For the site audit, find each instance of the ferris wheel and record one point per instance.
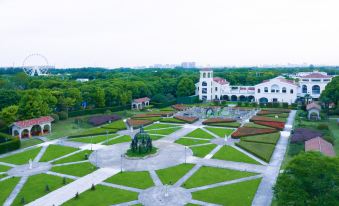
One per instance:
(35, 65)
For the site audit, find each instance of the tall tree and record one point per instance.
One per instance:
(33, 105)
(9, 114)
(185, 87)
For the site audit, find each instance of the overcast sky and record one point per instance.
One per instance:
(114, 33)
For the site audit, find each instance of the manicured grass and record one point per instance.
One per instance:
(261, 150)
(129, 153)
(199, 133)
(191, 204)
(94, 139)
(102, 195)
(189, 141)
(172, 120)
(171, 175)
(211, 175)
(96, 131)
(80, 156)
(230, 154)
(281, 115)
(141, 180)
(202, 151)
(221, 132)
(6, 188)
(226, 124)
(241, 193)
(30, 142)
(264, 138)
(125, 138)
(253, 125)
(55, 151)
(35, 187)
(118, 125)
(22, 157)
(155, 137)
(4, 168)
(159, 126)
(3, 175)
(164, 131)
(79, 170)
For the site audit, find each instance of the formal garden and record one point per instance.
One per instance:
(213, 160)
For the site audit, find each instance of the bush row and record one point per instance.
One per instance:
(97, 111)
(10, 145)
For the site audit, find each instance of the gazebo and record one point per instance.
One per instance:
(32, 127)
(140, 103)
(313, 110)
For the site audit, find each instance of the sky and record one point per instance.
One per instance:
(128, 33)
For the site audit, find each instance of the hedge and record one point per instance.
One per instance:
(11, 145)
(97, 111)
(86, 133)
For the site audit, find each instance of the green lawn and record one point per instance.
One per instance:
(80, 156)
(3, 175)
(79, 170)
(93, 139)
(36, 185)
(159, 126)
(241, 193)
(226, 124)
(253, 125)
(164, 131)
(6, 188)
(199, 133)
(155, 137)
(263, 138)
(141, 180)
(171, 175)
(102, 195)
(334, 128)
(55, 151)
(96, 131)
(189, 141)
(125, 138)
(230, 154)
(202, 151)
(211, 175)
(22, 157)
(221, 132)
(261, 150)
(30, 142)
(172, 120)
(4, 168)
(118, 125)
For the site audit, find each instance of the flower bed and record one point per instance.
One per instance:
(187, 119)
(246, 131)
(265, 119)
(136, 123)
(172, 120)
(277, 111)
(276, 125)
(99, 120)
(179, 107)
(304, 134)
(226, 124)
(218, 120)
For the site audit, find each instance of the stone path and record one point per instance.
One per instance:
(15, 191)
(121, 187)
(41, 153)
(209, 132)
(155, 178)
(62, 175)
(62, 157)
(67, 192)
(215, 150)
(70, 163)
(135, 202)
(249, 154)
(180, 133)
(187, 175)
(198, 202)
(264, 193)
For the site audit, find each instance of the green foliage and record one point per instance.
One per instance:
(171, 175)
(63, 115)
(261, 150)
(309, 179)
(141, 180)
(185, 87)
(9, 114)
(22, 157)
(202, 151)
(228, 153)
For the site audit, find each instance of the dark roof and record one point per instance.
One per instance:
(321, 145)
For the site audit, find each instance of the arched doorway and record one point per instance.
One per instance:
(16, 133)
(225, 97)
(242, 98)
(25, 133)
(250, 98)
(263, 100)
(47, 129)
(234, 98)
(316, 89)
(36, 130)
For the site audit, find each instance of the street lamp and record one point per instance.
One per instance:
(185, 153)
(106, 136)
(91, 142)
(121, 163)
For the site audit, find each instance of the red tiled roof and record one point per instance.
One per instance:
(220, 80)
(32, 122)
(141, 100)
(313, 105)
(287, 81)
(316, 75)
(321, 145)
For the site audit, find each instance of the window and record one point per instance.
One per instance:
(304, 89)
(315, 80)
(204, 84)
(326, 80)
(275, 88)
(204, 97)
(316, 89)
(204, 90)
(204, 75)
(216, 96)
(291, 91)
(305, 80)
(258, 90)
(275, 100)
(209, 75)
(266, 89)
(216, 89)
(284, 90)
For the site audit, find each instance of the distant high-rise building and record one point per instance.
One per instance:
(188, 65)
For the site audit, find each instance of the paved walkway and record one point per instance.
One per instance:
(264, 193)
(155, 178)
(179, 133)
(249, 154)
(63, 194)
(187, 175)
(15, 191)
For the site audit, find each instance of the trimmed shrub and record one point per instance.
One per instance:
(322, 127)
(247, 131)
(63, 115)
(276, 125)
(55, 117)
(11, 145)
(187, 119)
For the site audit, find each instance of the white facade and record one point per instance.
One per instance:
(277, 89)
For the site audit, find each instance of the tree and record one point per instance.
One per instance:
(309, 179)
(9, 114)
(8, 97)
(33, 105)
(185, 87)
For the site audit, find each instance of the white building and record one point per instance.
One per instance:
(277, 89)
